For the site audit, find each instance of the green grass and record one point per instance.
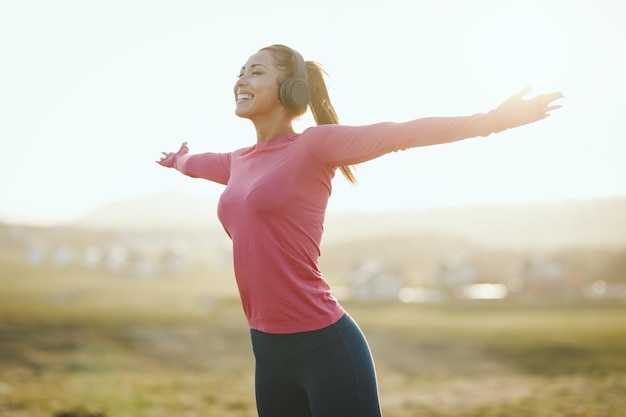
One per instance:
(83, 344)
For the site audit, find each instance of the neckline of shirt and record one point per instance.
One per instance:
(270, 143)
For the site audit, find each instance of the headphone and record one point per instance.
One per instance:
(294, 91)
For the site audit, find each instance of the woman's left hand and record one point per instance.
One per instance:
(517, 111)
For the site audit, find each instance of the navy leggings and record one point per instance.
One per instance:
(323, 373)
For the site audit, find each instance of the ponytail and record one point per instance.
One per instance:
(321, 107)
(319, 102)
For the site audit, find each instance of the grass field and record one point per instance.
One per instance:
(76, 343)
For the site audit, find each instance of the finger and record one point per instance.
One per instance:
(553, 96)
(523, 92)
(556, 106)
(544, 100)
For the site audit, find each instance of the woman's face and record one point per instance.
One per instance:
(256, 89)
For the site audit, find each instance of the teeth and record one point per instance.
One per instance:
(244, 96)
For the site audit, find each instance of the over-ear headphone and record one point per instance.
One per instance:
(294, 91)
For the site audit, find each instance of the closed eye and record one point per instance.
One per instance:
(255, 69)
(241, 74)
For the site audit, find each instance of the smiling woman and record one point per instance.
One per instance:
(311, 357)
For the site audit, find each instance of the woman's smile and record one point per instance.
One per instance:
(243, 97)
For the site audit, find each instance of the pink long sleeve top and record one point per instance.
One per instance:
(275, 200)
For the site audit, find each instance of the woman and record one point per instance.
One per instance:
(311, 358)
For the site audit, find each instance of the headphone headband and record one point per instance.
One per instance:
(300, 65)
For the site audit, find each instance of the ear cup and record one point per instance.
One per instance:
(294, 91)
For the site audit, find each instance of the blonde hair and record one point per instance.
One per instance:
(319, 101)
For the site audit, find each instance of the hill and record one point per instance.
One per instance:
(584, 223)
(162, 211)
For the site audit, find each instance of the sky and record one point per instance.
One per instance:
(91, 92)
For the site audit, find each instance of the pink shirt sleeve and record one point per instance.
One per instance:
(337, 145)
(210, 166)
(347, 145)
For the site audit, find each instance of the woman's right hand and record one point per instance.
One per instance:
(168, 158)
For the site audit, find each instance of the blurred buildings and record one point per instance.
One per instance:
(447, 274)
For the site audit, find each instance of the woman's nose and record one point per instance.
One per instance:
(241, 81)
(243, 78)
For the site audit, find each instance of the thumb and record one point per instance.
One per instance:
(183, 149)
(523, 92)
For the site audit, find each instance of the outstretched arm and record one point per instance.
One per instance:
(211, 166)
(346, 145)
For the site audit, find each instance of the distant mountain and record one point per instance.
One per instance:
(161, 211)
(583, 223)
